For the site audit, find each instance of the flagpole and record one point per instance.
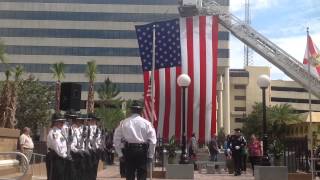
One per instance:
(310, 107)
(152, 82)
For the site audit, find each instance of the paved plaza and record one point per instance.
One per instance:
(112, 172)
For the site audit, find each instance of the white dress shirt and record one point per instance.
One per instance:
(135, 129)
(57, 142)
(26, 141)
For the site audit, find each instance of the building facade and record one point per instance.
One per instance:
(244, 92)
(39, 33)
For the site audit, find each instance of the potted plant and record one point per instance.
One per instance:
(171, 149)
(277, 151)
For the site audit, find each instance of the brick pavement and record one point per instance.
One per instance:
(112, 173)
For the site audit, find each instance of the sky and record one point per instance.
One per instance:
(284, 22)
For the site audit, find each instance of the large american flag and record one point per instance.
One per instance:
(186, 45)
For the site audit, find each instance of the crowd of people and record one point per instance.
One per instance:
(236, 149)
(76, 143)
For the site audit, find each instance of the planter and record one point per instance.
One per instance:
(8, 141)
(299, 176)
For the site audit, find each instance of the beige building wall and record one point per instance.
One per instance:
(244, 92)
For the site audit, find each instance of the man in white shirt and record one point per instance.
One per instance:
(139, 139)
(26, 145)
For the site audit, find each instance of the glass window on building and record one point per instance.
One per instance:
(239, 86)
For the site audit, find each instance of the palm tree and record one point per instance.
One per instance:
(91, 75)
(107, 93)
(58, 73)
(281, 116)
(18, 71)
(5, 99)
(110, 106)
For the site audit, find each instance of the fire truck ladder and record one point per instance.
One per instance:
(270, 51)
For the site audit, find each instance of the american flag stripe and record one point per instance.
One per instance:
(178, 107)
(156, 95)
(173, 83)
(203, 75)
(199, 42)
(190, 71)
(167, 102)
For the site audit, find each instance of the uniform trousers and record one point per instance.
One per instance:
(77, 166)
(237, 159)
(136, 161)
(95, 162)
(123, 166)
(55, 166)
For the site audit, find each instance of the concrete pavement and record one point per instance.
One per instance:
(112, 172)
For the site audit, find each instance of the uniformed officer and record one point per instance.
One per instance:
(139, 139)
(95, 142)
(237, 144)
(57, 150)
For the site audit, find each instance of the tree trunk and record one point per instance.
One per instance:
(58, 92)
(90, 102)
(11, 122)
(5, 102)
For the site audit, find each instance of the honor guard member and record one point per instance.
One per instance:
(82, 154)
(237, 144)
(57, 150)
(94, 144)
(140, 140)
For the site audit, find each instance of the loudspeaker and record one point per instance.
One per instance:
(70, 97)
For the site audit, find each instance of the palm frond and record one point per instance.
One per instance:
(91, 70)
(2, 53)
(58, 70)
(8, 73)
(18, 72)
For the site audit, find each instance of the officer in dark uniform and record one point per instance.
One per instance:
(139, 139)
(237, 144)
(57, 150)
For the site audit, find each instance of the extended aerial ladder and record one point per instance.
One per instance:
(270, 51)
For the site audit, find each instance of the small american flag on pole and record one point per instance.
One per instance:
(148, 100)
(190, 46)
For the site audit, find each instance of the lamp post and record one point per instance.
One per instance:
(184, 81)
(264, 82)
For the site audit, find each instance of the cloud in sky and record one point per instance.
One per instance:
(284, 22)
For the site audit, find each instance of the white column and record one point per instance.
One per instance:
(226, 101)
(219, 101)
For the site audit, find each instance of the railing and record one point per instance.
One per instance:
(296, 154)
(38, 165)
(24, 158)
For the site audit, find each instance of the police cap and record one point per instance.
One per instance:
(57, 117)
(92, 116)
(82, 117)
(71, 115)
(237, 130)
(137, 105)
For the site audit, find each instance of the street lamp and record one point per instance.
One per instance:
(184, 81)
(264, 82)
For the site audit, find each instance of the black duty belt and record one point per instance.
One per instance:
(136, 145)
